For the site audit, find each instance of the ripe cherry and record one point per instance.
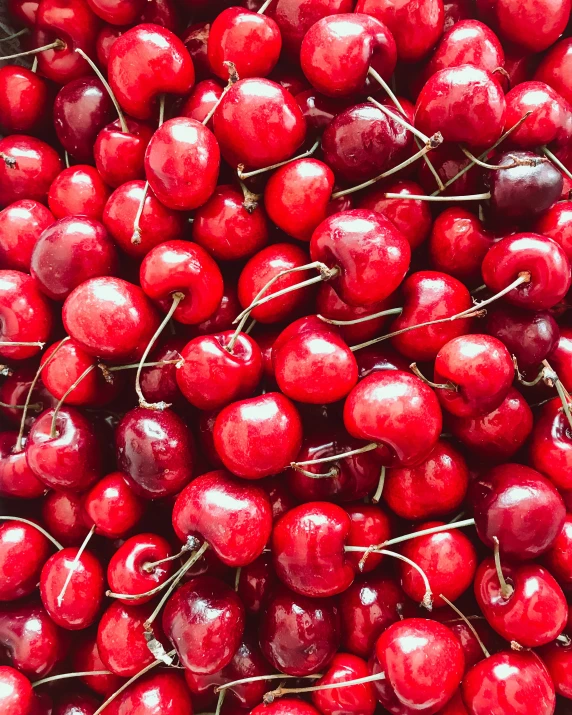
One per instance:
(78, 190)
(113, 507)
(285, 706)
(556, 223)
(21, 224)
(549, 18)
(63, 516)
(125, 12)
(551, 445)
(162, 693)
(119, 154)
(86, 658)
(16, 477)
(23, 100)
(352, 699)
(202, 101)
(23, 552)
(27, 169)
(16, 694)
(468, 42)
(554, 68)
(557, 558)
(548, 114)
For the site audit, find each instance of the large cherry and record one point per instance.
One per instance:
(548, 17)
(162, 693)
(548, 109)
(23, 551)
(21, 224)
(27, 169)
(554, 68)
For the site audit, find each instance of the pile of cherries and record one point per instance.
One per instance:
(286, 345)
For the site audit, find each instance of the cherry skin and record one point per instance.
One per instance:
(353, 699)
(78, 190)
(159, 383)
(128, 571)
(195, 39)
(157, 223)
(548, 17)
(29, 176)
(78, 703)
(481, 369)
(23, 99)
(299, 635)
(509, 681)
(87, 659)
(204, 610)
(69, 252)
(258, 123)
(551, 446)
(14, 391)
(202, 100)
(549, 112)
(250, 40)
(16, 477)
(110, 317)
(369, 525)
(160, 693)
(285, 706)
(245, 433)
(432, 488)
(105, 38)
(535, 612)
(228, 230)
(146, 61)
(375, 410)
(363, 245)
(423, 664)
(560, 357)
(79, 607)
(556, 223)
(23, 12)
(556, 658)
(541, 257)
(125, 12)
(554, 68)
(16, 694)
(214, 506)
(557, 558)
(63, 516)
(448, 160)
(23, 551)
(465, 103)
(113, 507)
(182, 163)
(119, 156)
(154, 450)
(318, 110)
(256, 582)
(21, 224)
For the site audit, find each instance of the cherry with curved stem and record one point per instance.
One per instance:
(146, 594)
(56, 45)
(232, 79)
(280, 691)
(66, 676)
(53, 429)
(468, 624)
(435, 385)
(105, 83)
(334, 457)
(364, 319)
(505, 588)
(71, 571)
(55, 542)
(246, 175)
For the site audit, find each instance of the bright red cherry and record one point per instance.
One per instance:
(555, 68)
(27, 169)
(556, 223)
(548, 17)
(124, 12)
(551, 446)
(23, 99)
(23, 552)
(468, 42)
(557, 558)
(26, 315)
(352, 699)
(161, 693)
(201, 101)
(285, 706)
(78, 190)
(86, 659)
(549, 112)
(16, 694)
(16, 477)
(21, 224)
(63, 516)
(119, 155)
(113, 507)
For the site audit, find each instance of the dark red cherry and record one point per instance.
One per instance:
(448, 160)
(557, 659)
(432, 488)
(256, 582)
(23, 12)
(161, 693)
(154, 450)
(16, 694)
(105, 39)
(352, 699)
(551, 445)
(14, 391)
(21, 224)
(145, 62)
(561, 356)
(119, 155)
(63, 516)
(299, 635)
(555, 68)
(204, 611)
(113, 507)
(319, 110)
(23, 552)
(162, 12)
(78, 190)
(24, 99)
(222, 319)
(388, 407)
(28, 169)
(196, 38)
(379, 357)
(74, 703)
(16, 477)
(124, 12)
(159, 382)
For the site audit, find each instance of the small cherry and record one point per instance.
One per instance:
(78, 190)
(27, 168)
(21, 224)
(159, 381)
(63, 516)
(24, 100)
(255, 583)
(113, 507)
(23, 552)
(119, 152)
(162, 693)
(16, 694)
(369, 525)
(87, 659)
(125, 12)
(556, 658)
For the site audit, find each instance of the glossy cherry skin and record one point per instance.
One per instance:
(63, 516)
(112, 506)
(157, 224)
(353, 699)
(148, 60)
(182, 163)
(105, 38)
(16, 477)
(465, 103)
(364, 245)
(23, 551)
(480, 367)
(119, 156)
(432, 488)
(556, 658)
(125, 322)
(378, 358)
(195, 39)
(124, 12)
(74, 703)
(87, 659)
(556, 223)
(228, 231)
(36, 166)
(423, 664)
(285, 706)
(375, 411)
(554, 68)
(509, 681)
(202, 100)
(83, 597)
(234, 517)
(160, 693)
(78, 190)
(16, 694)
(258, 123)
(180, 266)
(21, 224)
(405, 20)
(561, 356)
(69, 252)
(369, 524)
(204, 610)
(23, 99)
(548, 17)
(541, 257)
(299, 635)
(557, 558)
(549, 114)
(533, 615)
(551, 446)
(77, 26)
(499, 434)
(154, 450)
(159, 383)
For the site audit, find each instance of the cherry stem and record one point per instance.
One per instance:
(85, 373)
(18, 445)
(36, 407)
(506, 589)
(55, 542)
(468, 623)
(250, 327)
(563, 639)
(34, 67)
(57, 45)
(431, 168)
(67, 159)
(133, 365)
(400, 120)
(8, 160)
(8, 343)
(279, 692)
(264, 6)
(232, 79)
(73, 566)
(177, 298)
(15, 35)
(237, 578)
(552, 380)
(191, 544)
(242, 175)
(251, 199)
(105, 83)
(435, 385)
(528, 383)
(258, 678)
(65, 676)
(137, 596)
(332, 472)
(334, 457)
(136, 236)
(426, 532)
(556, 161)
(220, 701)
(381, 483)
(423, 197)
(379, 79)
(364, 319)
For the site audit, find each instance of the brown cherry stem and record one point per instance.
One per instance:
(15, 35)
(105, 83)
(364, 319)
(435, 385)
(246, 175)
(56, 45)
(556, 161)
(232, 79)
(506, 589)
(177, 298)
(269, 697)
(332, 472)
(55, 542)
(381, 483)
(191, 544)
(467, 623)
(85, 373)
(334, 457)
(65, 676)
(73, 566)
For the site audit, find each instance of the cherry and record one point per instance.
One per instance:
(319, 110)
(554, 68)
(466, 104)
(113, 507)
(551, 447)
(285, 706)
(162, 12)
(182, 163)
(204, 610)
(541, 257)
(156, 694)
(423, 664)
(16, 694)
(27, 169)
(23, 99)
(110, 317)
(125, 12)
(377, 358)
(251, 41)
(21, 224)
(154, 450)
(119, 154)
(549, 113)
(556, 223)
(67, 458)
(298, 635)
(23, 551)
(159, 382)
(258, 123)
(14, 391)
(557, 558)
(369, 525)
(556, 658)
(548, 17)
(86, 659)
(375, 410)
(295, 17)
(23, 12)
(78, 190)
(16, 477)
(449, 161)
(432, 488)
(105, 38)
(353, 699)
(222, 319)
(509, 681)
(78, 703)
(64, 517)
(157, 223)
(202, 101)
(363, 245)
(146, 61)
(560, 356)
(196, 38)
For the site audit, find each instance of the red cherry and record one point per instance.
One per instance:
(64, 517)
(551, 446)
(201, 101)
(113, 507)
(124, 12)
(86, 659)
(16, 477)
(23, 552)
(23, 12)
(23, 99)
(285, 706)
(556, 223)
(21, 224)
(16, 694)
(74, 704)
(369, 525)
(556, 658)
(548, 17)
(468, 42)
(554, 68)
(105, 39)
(353, 699)
(119, 155)
(78, 190)
(27, 169)
(156, 694)
(549, 114)
(557, 558)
